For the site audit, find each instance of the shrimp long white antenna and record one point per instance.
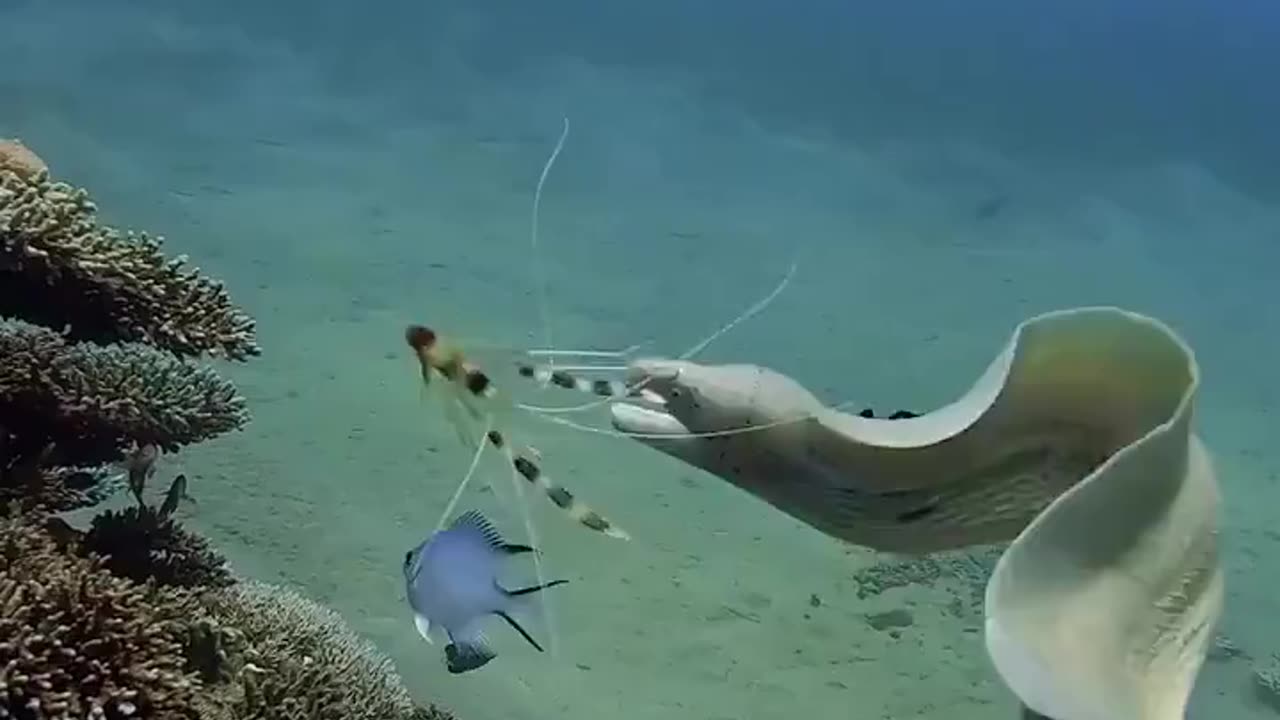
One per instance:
(531, 531)
(548, 352)
(466, 479)
(577, 353)
(755, 309)
(750, 312)
(727, 432)
(539, 277)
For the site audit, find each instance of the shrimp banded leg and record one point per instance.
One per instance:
(526, 464)
(475, 392)
(573, 378)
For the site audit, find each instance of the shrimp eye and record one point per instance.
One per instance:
(419, 337)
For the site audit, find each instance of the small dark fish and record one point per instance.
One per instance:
(990, 208)
(177, 492)
(63, 534)
(452, 583)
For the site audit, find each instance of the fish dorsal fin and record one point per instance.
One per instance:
(476, 521)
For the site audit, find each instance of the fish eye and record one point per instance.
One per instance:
(408, 557)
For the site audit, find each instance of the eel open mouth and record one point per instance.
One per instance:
(647, 411)
(640, 420)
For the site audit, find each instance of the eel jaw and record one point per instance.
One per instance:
(635, 419)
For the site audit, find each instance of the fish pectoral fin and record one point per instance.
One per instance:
(467, 654)
(424, 627)
(523, 633)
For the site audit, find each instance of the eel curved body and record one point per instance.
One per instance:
(1075, 445)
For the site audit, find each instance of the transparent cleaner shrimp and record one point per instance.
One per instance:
(474, 397)
(545, 371)
(474, 391)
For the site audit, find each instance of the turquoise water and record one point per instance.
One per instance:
(937, 174)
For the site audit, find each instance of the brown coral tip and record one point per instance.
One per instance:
(20, 159)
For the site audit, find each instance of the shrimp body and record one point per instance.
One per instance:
(437, 356)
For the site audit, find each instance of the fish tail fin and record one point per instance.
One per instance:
(468, 649)
(464, 655)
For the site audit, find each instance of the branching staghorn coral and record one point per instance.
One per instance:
(78, 642)
(297, 660)
(60, 268)
(100, 368)
(93, 402)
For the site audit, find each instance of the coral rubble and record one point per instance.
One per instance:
(1266, 683)
(964, 574)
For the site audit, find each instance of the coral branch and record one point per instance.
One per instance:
(143, 545)
(60, 268)
(300, 661)
(77, 642)
(94, 402)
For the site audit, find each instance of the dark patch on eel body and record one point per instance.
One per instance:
(870, 414)
(919, 513)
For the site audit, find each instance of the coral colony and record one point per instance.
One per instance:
(135, 616)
